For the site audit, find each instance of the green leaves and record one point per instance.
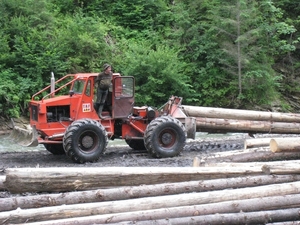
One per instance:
(211, 52)
(158, 72)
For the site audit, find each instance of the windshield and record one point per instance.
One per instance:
(78, 86)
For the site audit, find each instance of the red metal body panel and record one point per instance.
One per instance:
(53, 113)
(134, 129)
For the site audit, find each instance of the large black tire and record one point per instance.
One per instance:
(165, 137)
(55, 149)
(136, 144)
(85, 140)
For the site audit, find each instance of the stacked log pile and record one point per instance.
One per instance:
(227, 120)
(210, 192)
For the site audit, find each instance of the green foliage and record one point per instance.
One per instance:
(260, 87)
(211, 52)
(10, 97)
(158, 72)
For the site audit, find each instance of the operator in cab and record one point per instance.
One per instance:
(103, 82)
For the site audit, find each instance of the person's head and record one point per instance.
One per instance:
(106, 67)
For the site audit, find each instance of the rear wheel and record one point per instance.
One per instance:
(85, 140)
(136, 144)
(165, 137)
(55, 149)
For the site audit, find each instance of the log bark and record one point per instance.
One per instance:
(2, 180)
(229, 125)
(279, 169)
(285, 144)
(223, 113)
(70, 179)
(256, 142)
(78, 210)
(249, 155)
(285, 163)
(285, 223)
(123, 193)
(236, 206)
(238, 218)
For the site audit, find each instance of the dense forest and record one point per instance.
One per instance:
(233, 53)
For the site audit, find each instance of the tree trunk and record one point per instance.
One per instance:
(70, 179)
(236, 206)
(229, 125)
(78, 210)
(285, 163)
(237, 114)
(285, 144)
(237, 218)
(25, 202)
(249, 155)
(256, 142)
(281, 169)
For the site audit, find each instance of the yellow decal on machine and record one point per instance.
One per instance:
(86, 107)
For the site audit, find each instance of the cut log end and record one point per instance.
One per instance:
(274, 146)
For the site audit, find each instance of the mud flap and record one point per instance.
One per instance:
(24, 137)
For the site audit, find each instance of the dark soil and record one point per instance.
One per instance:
(116, 156)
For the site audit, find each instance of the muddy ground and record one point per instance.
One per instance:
(124, 156)
(121, 155)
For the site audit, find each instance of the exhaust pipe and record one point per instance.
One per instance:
(52, 84)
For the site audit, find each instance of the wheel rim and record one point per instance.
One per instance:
(167, 138)
(88, 141)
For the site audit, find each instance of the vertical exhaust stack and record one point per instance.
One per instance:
(52, 84)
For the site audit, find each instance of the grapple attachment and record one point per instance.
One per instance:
(24, 137)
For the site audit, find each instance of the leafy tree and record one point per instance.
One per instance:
(158, 72)
(212, 52)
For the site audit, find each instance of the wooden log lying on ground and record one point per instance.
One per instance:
(87, 209)
(70, 179)
(285, 163)
(294, 222)
(237, 218)
(281, 169)
(256, 142)
(285, 144)
(2, 180)
(249, 155)
(236, 206)
(267, 168)
(209, 112)
(227, 125)
(113, 194)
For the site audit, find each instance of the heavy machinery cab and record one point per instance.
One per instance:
(73, 98)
